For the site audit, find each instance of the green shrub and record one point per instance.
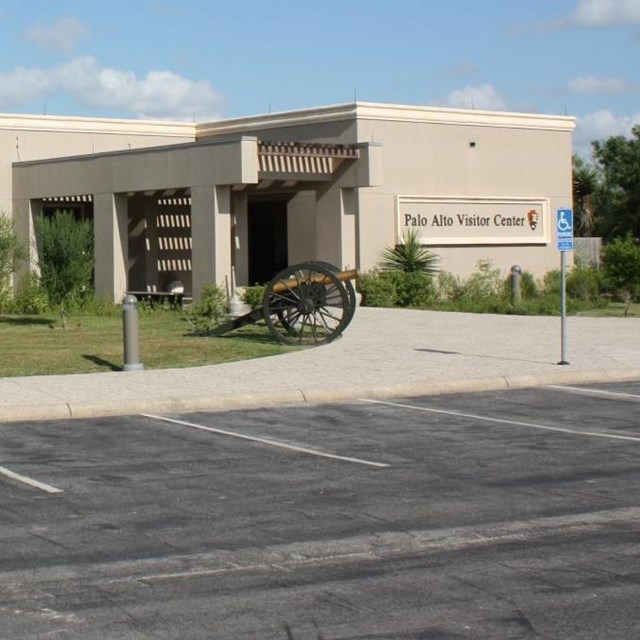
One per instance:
(538, 306)
(448, 287)
(66, 258)
(412, 288)
(210, 311)
(253, 296)
(6, 302)
(31, 298)
(584, 282)
(489, 304)
(552, 283)
(377, 289)
(484, 291)
(98, 305)
(621, 260)
(486, 282)
(396, 289)
(528, 286)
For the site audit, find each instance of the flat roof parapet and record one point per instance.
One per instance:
(389, 112)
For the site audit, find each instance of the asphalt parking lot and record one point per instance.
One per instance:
(510, 514)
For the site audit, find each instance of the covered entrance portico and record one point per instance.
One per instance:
(193, 212)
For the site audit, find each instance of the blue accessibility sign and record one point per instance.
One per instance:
(564, 229)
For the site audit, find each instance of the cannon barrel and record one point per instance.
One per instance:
(305, 304)
(292, 281)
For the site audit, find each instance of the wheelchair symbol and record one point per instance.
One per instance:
(564, 225)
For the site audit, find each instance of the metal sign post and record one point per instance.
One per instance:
(564, 230)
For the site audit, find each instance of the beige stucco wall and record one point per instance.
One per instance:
(513, 157)
(24, 138)
(422, 151)
(405, 151)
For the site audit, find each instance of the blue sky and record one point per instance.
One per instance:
(207, 59)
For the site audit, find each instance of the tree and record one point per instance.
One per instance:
(11, 252)
(585, 187)
(618, 199)
(65, 258)
(621, 260)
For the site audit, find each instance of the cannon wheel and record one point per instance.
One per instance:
(306, 304)
(351, 294)
(351, 291)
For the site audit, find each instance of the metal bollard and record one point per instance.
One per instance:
(516, 290)
(130, 333)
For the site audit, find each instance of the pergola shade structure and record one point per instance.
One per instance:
(177, 213)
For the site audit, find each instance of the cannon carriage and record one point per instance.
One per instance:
(306, 304)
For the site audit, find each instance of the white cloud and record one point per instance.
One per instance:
(600, 125)
(160, 94)
(60, 36)
(483, 96)
(20, 85)
(593, 85)
(604, 13)
(594, 13)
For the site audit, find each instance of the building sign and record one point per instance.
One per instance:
(451, 221)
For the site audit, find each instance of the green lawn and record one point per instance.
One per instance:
(89, 343)
(613, 309)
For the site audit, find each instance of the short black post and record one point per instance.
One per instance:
(516, 288)
(130, 333)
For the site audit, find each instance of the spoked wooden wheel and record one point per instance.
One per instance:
(306, 304)
(348, 285)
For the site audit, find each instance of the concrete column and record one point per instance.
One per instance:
(151, 249)
(111, 244)
(301, 227)
(376, 229)
(349, 245)
(137, 277)
(211, 236)
(25, 214)
(336, 227)
(240, 238)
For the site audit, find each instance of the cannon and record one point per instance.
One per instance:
(305, 304)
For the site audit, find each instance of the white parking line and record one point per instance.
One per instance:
(634, 397)
(267, 441)
(28, 481)
(530, 425)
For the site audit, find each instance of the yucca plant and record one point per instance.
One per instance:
(410, 256)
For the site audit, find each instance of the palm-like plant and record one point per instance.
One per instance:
(409, 256)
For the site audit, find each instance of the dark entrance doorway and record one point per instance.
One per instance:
(267, 227)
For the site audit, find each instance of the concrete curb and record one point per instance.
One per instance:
(278, 397)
